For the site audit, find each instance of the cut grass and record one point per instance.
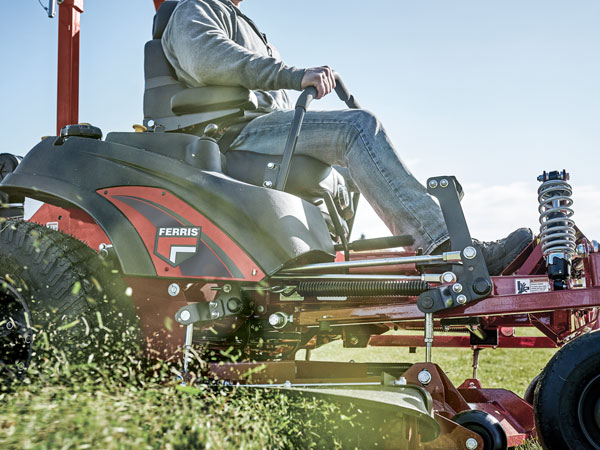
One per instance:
(122, 407)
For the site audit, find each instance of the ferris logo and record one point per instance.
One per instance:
(177, 245)
(184, 231)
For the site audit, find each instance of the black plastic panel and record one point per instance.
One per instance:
(274, 228)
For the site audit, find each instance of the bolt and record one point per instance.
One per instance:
(469, 252)
(214, 315)
(260, 308)
(227, 288)
(151, 123)
(268, 184)
(481, 286)
(424, 377)
(426, 302)
(433, 184)
(174, 290)
(234, 305)
(461, 299)
(213, 305)
(471, 444)
(211, 130)
(254, 272)
(271, 165)
(448, 277)
(457, 288)
(278, 320)
(353, 340)
(185, 315)
(444, 183)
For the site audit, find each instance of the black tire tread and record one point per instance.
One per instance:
(556, 392)
(48, 264)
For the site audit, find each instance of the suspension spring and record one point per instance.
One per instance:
(557, 229)
(361, 288)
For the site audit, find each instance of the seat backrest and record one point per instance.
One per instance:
(161, 83)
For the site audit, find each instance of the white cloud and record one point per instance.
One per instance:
(493, 211)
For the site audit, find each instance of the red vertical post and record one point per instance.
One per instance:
(67, 105)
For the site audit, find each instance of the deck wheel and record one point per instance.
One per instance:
(486, 426)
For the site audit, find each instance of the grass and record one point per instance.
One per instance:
(128, 406)
(511, 369)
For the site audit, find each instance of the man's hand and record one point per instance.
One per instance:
(321, 78)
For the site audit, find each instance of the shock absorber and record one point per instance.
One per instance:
(557, 229)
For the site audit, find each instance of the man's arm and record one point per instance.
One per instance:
(200, 37)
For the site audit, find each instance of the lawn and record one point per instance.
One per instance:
(126, 406)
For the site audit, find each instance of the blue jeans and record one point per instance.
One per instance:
(356, 139)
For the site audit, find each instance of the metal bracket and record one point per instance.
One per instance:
(271, 175)
(473, 277)
(228, 303)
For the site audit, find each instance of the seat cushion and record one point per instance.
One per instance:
(212, 98)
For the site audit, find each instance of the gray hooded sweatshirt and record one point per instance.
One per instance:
(210, 42)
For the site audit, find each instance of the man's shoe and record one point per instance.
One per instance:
(499, 254)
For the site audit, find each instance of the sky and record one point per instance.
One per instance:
(493, 92)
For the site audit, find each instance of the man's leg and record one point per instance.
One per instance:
(356, 139)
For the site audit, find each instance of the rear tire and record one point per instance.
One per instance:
(79, 311)
(567, 398)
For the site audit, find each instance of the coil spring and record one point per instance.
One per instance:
(361, 288)
(557, 229)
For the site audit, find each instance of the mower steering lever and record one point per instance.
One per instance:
(307, 96)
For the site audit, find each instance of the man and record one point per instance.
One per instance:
(211, 42)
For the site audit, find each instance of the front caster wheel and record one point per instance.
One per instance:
(486, 426)
(567, 398)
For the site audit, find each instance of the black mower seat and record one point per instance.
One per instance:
(170, 105)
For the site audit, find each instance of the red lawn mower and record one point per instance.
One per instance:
(164, 237)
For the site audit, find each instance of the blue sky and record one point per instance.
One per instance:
(493, 92)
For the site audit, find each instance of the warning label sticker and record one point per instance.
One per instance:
(531, 285)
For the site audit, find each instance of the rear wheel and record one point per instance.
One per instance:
(58, 297)
(567, 398)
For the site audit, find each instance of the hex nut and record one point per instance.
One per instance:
(424, 377)
(433, 184)
(173, 289)
(185, 315)
(461, 299)
(457, 287)
(260, 308)
(448, 277)
(470, 252)
(444, 183)
(471, 444)
(268, 184)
